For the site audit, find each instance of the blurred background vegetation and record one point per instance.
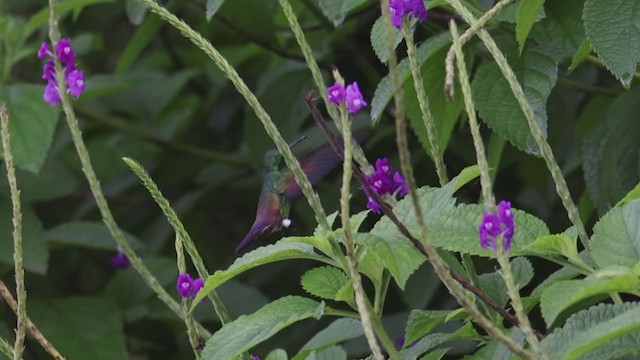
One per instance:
(151, 95)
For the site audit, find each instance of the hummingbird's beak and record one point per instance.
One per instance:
(296, 142)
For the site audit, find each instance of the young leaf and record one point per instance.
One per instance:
(581, 55)
(616, 237)
(498, 107)
(556, 244)
(337, 332)
(260, 256)
(525, 18)
(421, 322)
(631, 195)
(612, 27)
(247, 331)
(328, 282)
(605, 326)
(378, 39)
(562, 294)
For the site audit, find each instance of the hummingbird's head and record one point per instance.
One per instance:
(274, 160)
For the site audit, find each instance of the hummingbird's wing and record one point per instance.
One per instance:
(316, 164)
(268, 218)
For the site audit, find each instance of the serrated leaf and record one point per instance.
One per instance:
(537, 72)
(35, 250)
(247, 331)
(493, 283)
(581, 55)
(614, 30)
(560, 295)
(384, 91)
(328, 282)
(212, 7)
(610, 152)
(421, 322)
(616, 237)
(87, 234)
(338, 331)
(379, 41)
(336, 10)
(32, 122)
(525, 18)
(561, 32)
(260, 256)
(65, 322)
(602, 325)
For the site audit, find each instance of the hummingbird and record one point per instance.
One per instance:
(279, 188)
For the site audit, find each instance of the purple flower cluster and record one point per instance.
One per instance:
(352, 95)
(384, 181)
(494, 226)
(73, 77)
(398, 9)
(120, 260)
(188, 287)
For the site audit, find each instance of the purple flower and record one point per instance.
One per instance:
(354, 98)
(65, 53)
(255, 357)
(75, 81)
(51, 94)
(373, 205)
(400, 185)
(188, 287)
(493, 227)
(44, 50)
(381, 183)
(398, 9)
(336, 93)
(382, 165)
(119, 260)
(384, 181)
(49, 71)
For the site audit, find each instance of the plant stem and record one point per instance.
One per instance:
(381, 293)
(423, 101)
(556, 173)
(188, 320)
(21, 327)
(35, 332)
(94, 184)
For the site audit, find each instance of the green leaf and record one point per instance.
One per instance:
(604, 331)
(336, 10)
(493, 283)
(379, 41)
(384, 91)
(338, 331)
(247, 331)
(39, 187)
(260, 256)
(34, 247)
(556, 244)
(525, 18)
(436, 354)
(421, 322)
(564, 273)
(612, 26)
(561, 32)
(616, 237)
(328, 282)
(81, 327)
(537, 73)
(495, 350)
(87, 234)
(610, 167)
(425, 344)
(332, 353)
(631, 195)
(581, 55)
(135, 11)
(277, 354)
(560, 295)
(212, 7)
(32, 122)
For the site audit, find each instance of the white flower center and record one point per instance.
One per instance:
(377, 183)
(488, 225)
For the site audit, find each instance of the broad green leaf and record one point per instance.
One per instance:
(493, 283)
(562, 294)
(384, 91)
(556, 244)
(445, 112)
(260, 256)
(328, 282)
(34, 247)
(87, 234)
(525, 18)
(81, 327)
(631, 195)
(537, 73)
(561, 32)
(610, 151)
(319, 242)
(42, 16)
(212, 7)
(379, 41)
(604, 331)
(336, 10)
(247, 331)
(39, 187)
(467, 175)
(614, 30)
(616, 237)
(337, 332)
(564, 273)
(421, 322)
(32, 122)
(581, 55)
(277, 354)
